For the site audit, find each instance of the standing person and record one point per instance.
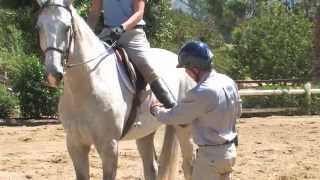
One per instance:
(123, 22)
(212, 108)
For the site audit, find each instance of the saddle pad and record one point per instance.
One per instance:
(124, 77)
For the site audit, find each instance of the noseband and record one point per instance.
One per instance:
(65, 53)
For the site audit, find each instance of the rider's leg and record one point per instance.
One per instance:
(137, 46)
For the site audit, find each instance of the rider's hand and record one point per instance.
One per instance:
(116, 32)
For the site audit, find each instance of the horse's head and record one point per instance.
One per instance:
(55, 28)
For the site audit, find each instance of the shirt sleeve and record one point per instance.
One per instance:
(187, 110)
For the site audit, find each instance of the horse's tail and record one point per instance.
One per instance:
(168, 162)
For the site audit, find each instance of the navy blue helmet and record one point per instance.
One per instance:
(195, 54)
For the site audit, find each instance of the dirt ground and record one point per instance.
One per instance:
(278, 147)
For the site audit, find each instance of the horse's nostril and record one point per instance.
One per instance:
(59, 76)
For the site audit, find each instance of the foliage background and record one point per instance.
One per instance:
(275, 45)
(20, 63)
(251, 39)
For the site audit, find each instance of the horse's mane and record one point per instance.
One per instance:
(83, 33)
(81, 26)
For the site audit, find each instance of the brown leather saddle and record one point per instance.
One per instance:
(135, 77)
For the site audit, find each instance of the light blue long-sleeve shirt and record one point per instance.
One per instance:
(212, 107)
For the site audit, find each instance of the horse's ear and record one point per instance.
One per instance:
(41, 2)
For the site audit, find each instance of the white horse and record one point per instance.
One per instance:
(97, 97)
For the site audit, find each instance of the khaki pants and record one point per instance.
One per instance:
(214, 162)
(137, 46)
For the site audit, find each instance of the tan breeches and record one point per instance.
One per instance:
(214, 163)
(137, 47)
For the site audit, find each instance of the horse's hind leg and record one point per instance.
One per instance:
(79, 155)
(186, 146)
(168, 162)
(147, 152)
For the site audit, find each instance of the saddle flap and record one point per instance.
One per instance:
(128, 66)
(129, 74)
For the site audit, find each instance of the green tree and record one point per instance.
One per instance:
(188, 27)
(15, 4)
(169, 29)
(160, 26)
(316, 45)
(275, 44)
(226, 15)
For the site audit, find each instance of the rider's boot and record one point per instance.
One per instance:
(163, 94)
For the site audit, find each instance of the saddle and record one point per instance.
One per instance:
(137, 82)
(135, 77)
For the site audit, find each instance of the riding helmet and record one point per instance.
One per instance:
(195, 54)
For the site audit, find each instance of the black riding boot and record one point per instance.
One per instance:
(163, 94)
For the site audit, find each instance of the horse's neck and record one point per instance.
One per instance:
(86, 44)
(98, 77)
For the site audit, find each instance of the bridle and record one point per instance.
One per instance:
(72, 35)
(65, 53)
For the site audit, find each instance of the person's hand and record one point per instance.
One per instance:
(116, 32)
(154, 106)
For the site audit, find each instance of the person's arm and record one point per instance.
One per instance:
(94, 13)
(188, 109)
(138, 8)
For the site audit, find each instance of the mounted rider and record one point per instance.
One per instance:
(123, 22)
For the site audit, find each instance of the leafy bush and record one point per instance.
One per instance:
(36, 100)
(315, 104)
(8, 102)
(222, 60)
(82, 6)
(276, 44)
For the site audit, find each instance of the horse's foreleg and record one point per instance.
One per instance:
(108, 152)
(79, 155)
(186, 145)
(147, 152)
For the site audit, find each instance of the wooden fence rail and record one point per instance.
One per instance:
(307, 91)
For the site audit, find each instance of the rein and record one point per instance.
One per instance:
(66, 53)
(69, 66)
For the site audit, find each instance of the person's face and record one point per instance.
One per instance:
(193, 73)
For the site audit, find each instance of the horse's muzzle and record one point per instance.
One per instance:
(54, 80)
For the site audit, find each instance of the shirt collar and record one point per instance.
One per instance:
(206, 75)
